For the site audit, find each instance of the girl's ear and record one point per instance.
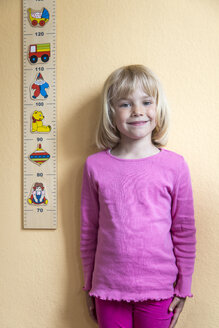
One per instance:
(156, 116)
(112, 113)
(156, 127)
(114, 121)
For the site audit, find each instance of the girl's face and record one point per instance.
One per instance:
(134, 108)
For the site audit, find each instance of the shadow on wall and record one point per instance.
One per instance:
(78, 142)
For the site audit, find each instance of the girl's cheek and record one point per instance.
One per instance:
(122, 116)
(151, 113)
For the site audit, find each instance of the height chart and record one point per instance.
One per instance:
(39, 115)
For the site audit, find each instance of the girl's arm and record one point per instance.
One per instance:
(89, 225)
(183, 231)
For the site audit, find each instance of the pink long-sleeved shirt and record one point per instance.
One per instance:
(138, 235)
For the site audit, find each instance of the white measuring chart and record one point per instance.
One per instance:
(39, 115)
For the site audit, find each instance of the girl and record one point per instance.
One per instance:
(138, 234)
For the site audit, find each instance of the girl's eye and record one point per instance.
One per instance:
(127, 104)
(124, 105)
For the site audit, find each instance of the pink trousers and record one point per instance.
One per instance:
(141, 314)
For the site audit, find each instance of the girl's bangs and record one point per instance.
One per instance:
(126, 85)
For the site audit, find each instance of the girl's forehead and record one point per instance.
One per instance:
(128, 88)
(137, 92)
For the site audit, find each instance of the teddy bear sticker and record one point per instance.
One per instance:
(37, 123)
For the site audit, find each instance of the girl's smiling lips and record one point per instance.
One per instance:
(138, 122)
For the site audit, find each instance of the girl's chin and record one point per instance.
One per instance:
(136, 135)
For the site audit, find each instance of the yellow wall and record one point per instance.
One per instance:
(40, 270)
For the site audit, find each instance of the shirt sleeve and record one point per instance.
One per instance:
(183, 231)
(89, 225)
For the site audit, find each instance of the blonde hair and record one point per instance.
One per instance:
(121, 83)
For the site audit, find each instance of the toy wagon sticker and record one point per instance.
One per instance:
(38, 17)
(41, 50)
(37, 123)
(38, 88)
(39, 156)
(37, 195)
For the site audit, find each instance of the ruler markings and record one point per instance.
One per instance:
(31, 71)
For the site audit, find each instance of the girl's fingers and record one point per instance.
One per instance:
(93, 315)
(174, 321)
(92, 310)
(91, 307)
(175, 318)
(174, 302)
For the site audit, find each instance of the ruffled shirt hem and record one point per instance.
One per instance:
(103, 296)
(183, 295)
(115, 297)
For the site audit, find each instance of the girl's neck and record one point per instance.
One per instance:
(128, 151)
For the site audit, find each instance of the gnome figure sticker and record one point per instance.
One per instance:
(37, 196)
(38, 88)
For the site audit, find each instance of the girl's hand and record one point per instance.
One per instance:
(177, 307)
(91, 306)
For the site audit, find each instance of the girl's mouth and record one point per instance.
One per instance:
(138, 123)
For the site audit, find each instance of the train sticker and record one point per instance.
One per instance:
(39, 51)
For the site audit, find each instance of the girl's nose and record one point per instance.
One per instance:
(137, 110)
